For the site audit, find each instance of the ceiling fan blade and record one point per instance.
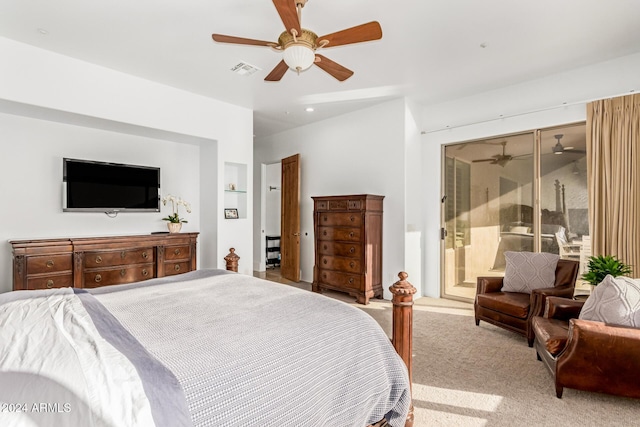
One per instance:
(276, 74)
(336, 70)
(361, 33)
(289, 14)
(483, 160)
(221, 38)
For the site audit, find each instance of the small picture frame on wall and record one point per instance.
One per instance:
(231, 213)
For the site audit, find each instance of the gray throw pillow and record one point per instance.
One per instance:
(526, 271)
(616, 301)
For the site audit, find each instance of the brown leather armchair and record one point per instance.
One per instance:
(584, 354)
(514, 310)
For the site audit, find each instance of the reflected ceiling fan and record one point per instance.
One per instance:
(298, 45)
(501, 159)
(560, 149)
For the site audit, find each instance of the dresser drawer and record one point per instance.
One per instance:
(354, 204)
(115, 276)
(114, 258)
(338, 205)
(341, 219)
(344, 234)
(340, 249)
(349, 265)
(322, 205)
(171, 268)
(177, 252)
(340, 280)
(49, 282)
(49, 263)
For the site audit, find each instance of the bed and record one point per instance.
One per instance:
(204, 348)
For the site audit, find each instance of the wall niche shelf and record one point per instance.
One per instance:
(235, 187)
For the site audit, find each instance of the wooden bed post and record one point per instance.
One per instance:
(402, 338)
(232, 260)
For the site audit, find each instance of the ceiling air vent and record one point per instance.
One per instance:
(244, 69)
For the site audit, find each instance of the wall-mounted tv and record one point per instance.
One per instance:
(93, 186)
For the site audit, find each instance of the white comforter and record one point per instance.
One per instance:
(56, 369)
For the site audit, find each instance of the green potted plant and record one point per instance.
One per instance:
(601, 265)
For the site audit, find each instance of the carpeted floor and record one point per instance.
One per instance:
(468, 375)
(471, 376)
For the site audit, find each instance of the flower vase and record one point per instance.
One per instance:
(174, 227)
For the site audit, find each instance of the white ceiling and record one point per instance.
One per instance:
(431, 51)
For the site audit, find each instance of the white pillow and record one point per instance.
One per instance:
(616, 301)
(526, 271)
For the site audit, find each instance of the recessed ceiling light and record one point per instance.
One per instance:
(43, 31)
(309, 109)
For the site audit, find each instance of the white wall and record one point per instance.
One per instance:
(551, 101)
(357, 153)
(50, 87)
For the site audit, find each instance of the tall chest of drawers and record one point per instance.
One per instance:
(91, 262)
(348, 245)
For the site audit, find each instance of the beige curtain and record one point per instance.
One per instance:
(613, 160)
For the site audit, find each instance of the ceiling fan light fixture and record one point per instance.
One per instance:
(558, 148)
(298, 57)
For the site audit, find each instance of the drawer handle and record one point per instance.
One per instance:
(325, 218)
(325, 233)
(324, 276)
(324, 261)
(177, 267)
(351, 280)
(352, 264)
(98, 259)
(50, 263)
(145, 255)
(98, 278)
(325, 247)
(123, 272)
(145, 272)
(123, 254)
(353, 218)
(49, 284)
(351, 234)
(352, 250)
(177, 252)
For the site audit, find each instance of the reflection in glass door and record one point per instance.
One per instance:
(487, 208)
(564, 195)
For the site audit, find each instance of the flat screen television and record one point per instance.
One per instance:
(92, 186)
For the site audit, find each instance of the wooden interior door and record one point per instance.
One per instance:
(290, 223)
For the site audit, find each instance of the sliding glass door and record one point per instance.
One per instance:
(490, 187)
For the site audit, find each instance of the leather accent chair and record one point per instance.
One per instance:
(585, 354)
(514, 310)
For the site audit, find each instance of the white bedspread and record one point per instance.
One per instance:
(56, 369)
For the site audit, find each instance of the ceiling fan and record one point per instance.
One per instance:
(298, 45)
(500, 159)
(560, 149)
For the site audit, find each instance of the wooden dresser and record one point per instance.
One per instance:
(90, 262)
(348, 245)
